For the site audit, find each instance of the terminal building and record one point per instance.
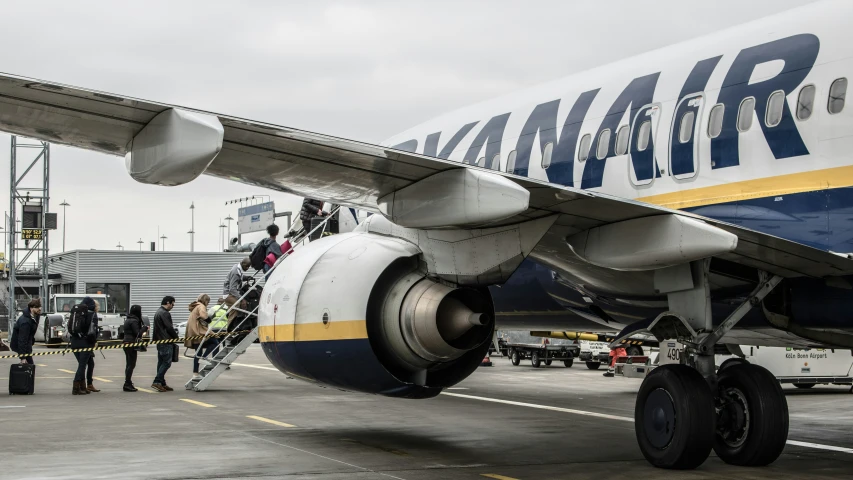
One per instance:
(142, 277)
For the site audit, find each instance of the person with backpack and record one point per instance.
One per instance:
(267, 251)
(83, 329)
(198, 325)
(134, 327)
(24, 332)
(233, 282)
(164, 330)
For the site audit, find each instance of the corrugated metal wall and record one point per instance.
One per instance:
(64, 264)
(153, 275)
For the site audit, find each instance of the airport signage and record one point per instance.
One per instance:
(31, 233)
(255, 218)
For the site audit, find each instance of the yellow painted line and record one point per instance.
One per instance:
(66, 371)
(40, 365)
(196, 402)
(102, 379)
(145, 390)
(312, 332)
(273, 422)
(779, 185)
(496, 476)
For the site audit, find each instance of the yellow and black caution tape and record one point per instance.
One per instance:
(124, 345)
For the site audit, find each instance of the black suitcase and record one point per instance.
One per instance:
(22, 379)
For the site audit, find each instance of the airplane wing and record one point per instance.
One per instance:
(353, 173)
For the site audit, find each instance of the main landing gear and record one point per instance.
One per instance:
(685, 408)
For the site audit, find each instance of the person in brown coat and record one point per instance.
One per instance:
(197, 326)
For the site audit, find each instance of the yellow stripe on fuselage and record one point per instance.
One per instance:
(313, 332)
(838, 177)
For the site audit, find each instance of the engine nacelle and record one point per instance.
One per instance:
(356, 311)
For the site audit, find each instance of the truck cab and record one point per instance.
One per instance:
(52, 325)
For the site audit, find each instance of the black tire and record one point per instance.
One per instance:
(804, 385)
(732, 362)
(634, 351)
(535, 360)
(753, 424)
(674, 418)
(548, 362)
(514, 358)
(568, 363)
(593, 365)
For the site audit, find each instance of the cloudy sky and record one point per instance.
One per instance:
(362, 70)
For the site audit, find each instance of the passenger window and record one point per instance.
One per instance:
(715, 123)
(644, 136)
(685, 132)
(496, 162)
(546, 155)
(805, 102)
(622, 136)
(583, 151)
(744, 114)
(837, 96)
(775, 104)
(603, 144)
(510, 162)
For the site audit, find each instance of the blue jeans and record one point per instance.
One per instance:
(164, 362)
(203, 351)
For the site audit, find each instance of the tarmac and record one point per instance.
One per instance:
(503, 423)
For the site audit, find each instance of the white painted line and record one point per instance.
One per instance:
(795, 443)
(820, 447)
(542, 407)
(262, 367)
(14, 406)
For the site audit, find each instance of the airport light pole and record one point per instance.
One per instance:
(221, 234)
(63, 205)
(163, 242)
(192, 228)
(119, 246)
(228, 219)
(140, 242)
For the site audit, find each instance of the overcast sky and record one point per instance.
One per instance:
(360, 70)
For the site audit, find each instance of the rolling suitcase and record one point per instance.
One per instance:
(22, 379)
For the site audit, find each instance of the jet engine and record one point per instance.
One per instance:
(356, 311)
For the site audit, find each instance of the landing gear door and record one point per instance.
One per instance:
(642, 169)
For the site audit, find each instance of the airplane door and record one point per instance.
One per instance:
(642, 169)
(684, 137)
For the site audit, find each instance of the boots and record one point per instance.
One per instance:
(79, 389)
(128, 387)
(91, 388)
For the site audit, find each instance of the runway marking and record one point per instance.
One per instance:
(40, 365)
(102, 379)
(262, 367)
(267, 420)
(196, 402)
(457, 388)
(796, 443)
(541, 407)
(14, 406)
(145, 390)
(66, 371)
(819, 446)
(496, 476)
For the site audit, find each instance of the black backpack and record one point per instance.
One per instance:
(259, 254)
(78, 321)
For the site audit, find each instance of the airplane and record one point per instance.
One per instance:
(699, 193)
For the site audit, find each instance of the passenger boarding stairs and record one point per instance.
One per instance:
(232, 345)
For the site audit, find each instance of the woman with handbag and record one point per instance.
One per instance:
(197, 327)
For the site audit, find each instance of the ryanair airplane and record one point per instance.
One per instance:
(699, 193)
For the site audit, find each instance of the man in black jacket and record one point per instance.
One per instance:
(133, 330)
(86, 360)
(164, 330)
(24, 333)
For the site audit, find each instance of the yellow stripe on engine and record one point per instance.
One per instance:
(314, 332)
(837, 177)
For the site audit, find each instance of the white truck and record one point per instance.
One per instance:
(52, 324)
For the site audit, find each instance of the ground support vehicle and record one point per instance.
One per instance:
(542, 353)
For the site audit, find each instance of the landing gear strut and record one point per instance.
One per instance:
(686, 408)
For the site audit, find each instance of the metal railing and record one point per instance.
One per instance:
(234, 332)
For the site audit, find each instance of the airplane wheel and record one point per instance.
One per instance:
(534, 359)
(804, 385)
(732, 362)
(593, 365)
(752, 426)
(674, 417)
(634, 351)
(568, 363)
(514, 358)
